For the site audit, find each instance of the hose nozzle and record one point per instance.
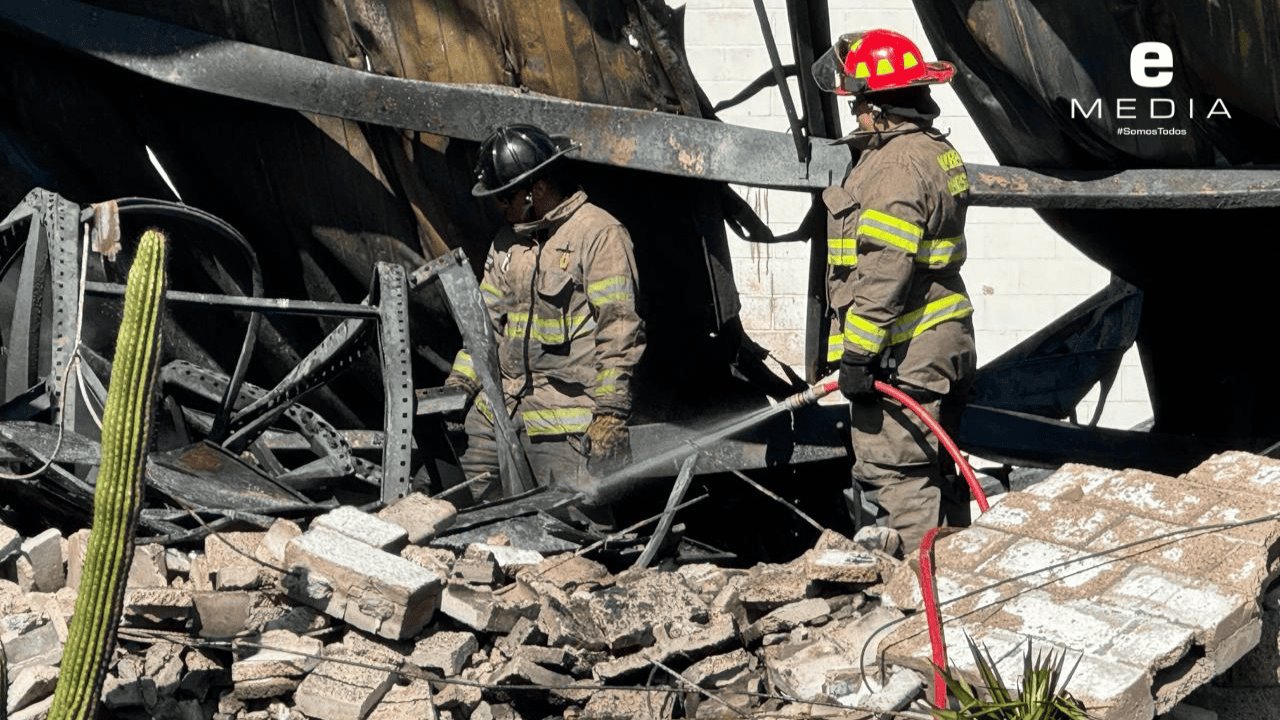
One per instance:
(811, 395)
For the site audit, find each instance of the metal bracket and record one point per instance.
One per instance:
(463, 292)
(391, 295)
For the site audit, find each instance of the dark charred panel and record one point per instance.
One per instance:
(323, 199)
(1020, 65)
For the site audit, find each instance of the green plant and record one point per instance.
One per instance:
(1042, 693)
(117, 497)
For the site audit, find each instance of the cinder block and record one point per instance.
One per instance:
(44, 552)
(363, 527)
(1150, 495)
(1057, 521)
(368, 588)
(421, 517)
(342, 691)
(1213, 612)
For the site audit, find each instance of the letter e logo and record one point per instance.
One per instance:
(1150, 56)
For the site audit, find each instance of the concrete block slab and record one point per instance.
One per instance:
(363, 527)
(366, 587)
(421, 517)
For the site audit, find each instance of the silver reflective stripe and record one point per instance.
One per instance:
(558, 421)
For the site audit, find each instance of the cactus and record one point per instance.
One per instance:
(117, 499)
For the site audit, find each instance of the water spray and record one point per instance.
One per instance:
(621, 483)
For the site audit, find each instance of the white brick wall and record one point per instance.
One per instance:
(1021, 274)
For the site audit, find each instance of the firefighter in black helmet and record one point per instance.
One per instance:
(560, 284)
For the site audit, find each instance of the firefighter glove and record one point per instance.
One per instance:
(607, 443)
(456, 380)
(857, 377)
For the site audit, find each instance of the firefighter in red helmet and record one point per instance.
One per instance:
(900, 311)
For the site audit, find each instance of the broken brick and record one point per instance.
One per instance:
(363, 527)
(338, 690)
(445, 652)
(361, 585)
(422, 518)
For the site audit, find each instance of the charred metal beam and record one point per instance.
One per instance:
(623, 137)
(1196, 188)
(269, 306)
(788, 104)
(462, 291)
(620, 137)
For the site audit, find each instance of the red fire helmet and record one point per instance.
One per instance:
(875, 60)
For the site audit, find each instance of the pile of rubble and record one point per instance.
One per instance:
(1149, 585)
(359, 617)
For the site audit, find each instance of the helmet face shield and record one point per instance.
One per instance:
(829, 71)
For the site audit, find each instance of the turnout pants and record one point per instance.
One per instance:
(553, 459)
(905, 480)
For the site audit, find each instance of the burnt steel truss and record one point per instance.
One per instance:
(621, 137)
(42, 240)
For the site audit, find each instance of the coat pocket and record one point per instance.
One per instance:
(551, 322)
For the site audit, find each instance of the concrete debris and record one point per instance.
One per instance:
(343, 687)
(150, 567)
(477, 566)
(364, 586)
(410, 701)
(31, 685)
(445, 652)
(44, 554)
(489, 611)
(361, 526)
(566, 573)
(350, 617)
(274, 660)
(77, 544)
(10, 542)
(784, 619)
(421, 517)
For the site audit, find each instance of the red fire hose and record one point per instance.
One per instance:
(927, 592)
(943, 439)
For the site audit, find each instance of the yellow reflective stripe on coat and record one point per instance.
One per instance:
(939, 311)
(890, 230)
(559, 421)
(835, 347)
(463, 365)
(515, 324)
(551, 331)
(603, 383)
(491, 289)
(842, 252)
(559, 330)
(615, 288)
(941, 252)
(863, 333)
